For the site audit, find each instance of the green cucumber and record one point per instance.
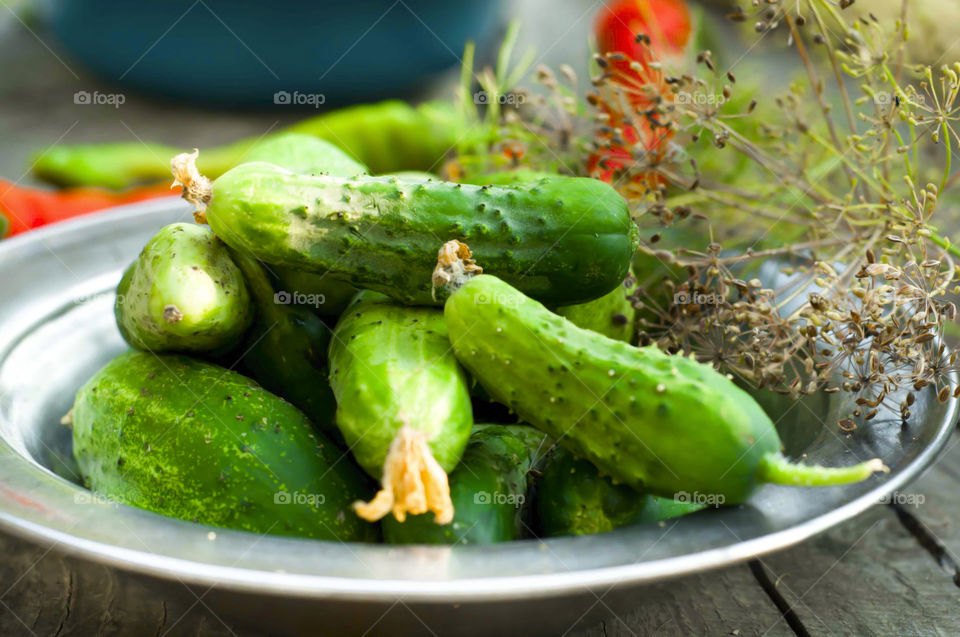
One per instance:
(386, 136)
(194, 441)
(612, 315)
(563, 241)
(183, 293)
(286, 350)
(403, 404)
(488, 489)
(658, 423)
(574, 499)
(307, 155)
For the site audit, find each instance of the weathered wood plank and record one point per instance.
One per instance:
(723, 602)
(870, 576)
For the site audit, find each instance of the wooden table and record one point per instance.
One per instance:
(891, 571)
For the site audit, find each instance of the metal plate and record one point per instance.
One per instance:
(57, 329)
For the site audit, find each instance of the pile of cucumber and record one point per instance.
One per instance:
(314, 357)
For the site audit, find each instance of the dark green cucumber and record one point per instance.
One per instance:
(183, 293)
(488, 489)
(574, 499)
(286, 350)
(403, 403)
(612, 315)
(563, 241)
(198, 442)
(386, 136)
(660, 423)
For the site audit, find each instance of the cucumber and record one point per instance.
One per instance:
(386, 136)
(286, 350)
(574, 499)
(403, 404)
(563, 241)
(612, 315)
(307, 155)
(488, 489)
(658, 423)
(194, 441)
(183, 293)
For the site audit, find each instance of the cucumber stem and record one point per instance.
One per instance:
(454, 268)
(413, 482)
(778, 470)
(197, 189)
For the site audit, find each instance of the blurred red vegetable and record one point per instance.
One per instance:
(28, 208)
(641, 29)
(633, 37)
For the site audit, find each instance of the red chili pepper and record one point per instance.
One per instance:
(28, 208)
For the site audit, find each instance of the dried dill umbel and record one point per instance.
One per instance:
(793, 240)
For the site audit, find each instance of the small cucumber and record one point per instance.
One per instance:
(563, 241)
(198, 442)
(488, 489)
(574, 499)
(403, 404)
(612, 315)
(286, 350)
(183, 293)
(659, 423)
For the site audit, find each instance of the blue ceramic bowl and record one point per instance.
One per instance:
(248, 51)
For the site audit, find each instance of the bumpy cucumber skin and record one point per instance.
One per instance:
(612, 315)
(488, 490)
(574, 499)
(286, 350)
(563, 241)
(660, 423)
(392, 366)
(195, 441)
(185, 266)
